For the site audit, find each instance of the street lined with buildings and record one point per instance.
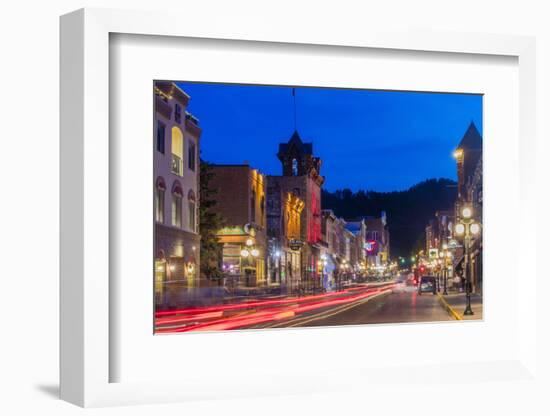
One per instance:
(236, 248)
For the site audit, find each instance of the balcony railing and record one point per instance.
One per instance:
(177, 165)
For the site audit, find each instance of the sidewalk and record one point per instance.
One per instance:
(456, 301)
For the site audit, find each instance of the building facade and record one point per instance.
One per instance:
(284, 212)
(241, 201)
(301, 177)
(469, 163)
(377, 244)
(176, 168)
(359, 230)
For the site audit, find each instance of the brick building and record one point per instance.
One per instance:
(301, 176)
(241, 201)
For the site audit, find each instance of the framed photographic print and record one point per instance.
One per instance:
(286, 213)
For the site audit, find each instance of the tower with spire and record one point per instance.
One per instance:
(301, 176)
(297, 158)
(468, 155)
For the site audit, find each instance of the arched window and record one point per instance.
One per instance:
(294, 167)
(192, 210)
(177, 194)
(160, 187)
(177, 151)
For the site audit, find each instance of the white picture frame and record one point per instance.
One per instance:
(86, 355)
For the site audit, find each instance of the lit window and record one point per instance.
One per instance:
(177, 151)
(253, 206)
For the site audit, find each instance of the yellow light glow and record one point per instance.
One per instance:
(475, 228)
(458, 153)
(467, 212)
(459, 229)
(249, 242)
(244, 253)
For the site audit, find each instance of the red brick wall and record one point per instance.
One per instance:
(233, 186)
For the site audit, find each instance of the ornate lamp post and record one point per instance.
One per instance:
(467, 227)
(445, 255)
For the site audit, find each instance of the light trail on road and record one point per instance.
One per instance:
(247, 314)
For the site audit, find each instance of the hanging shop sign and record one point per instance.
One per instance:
(295, 244)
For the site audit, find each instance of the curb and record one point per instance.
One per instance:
(448, 308)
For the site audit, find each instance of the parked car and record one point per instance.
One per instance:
(427, 284)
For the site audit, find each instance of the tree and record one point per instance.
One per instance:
(408, 211)
(210, 223)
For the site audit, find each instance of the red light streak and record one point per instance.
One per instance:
(284, 309)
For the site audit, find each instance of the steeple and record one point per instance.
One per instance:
(297, 157)
(471, 139)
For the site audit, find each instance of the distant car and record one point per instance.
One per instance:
(427, 284)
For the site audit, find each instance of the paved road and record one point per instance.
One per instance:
(403, 304)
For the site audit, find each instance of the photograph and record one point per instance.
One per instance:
(286, 206)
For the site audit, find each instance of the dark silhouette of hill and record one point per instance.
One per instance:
(408, 212)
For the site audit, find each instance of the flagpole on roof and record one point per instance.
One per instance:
(294, 96)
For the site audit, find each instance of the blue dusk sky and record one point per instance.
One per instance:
(367, 139)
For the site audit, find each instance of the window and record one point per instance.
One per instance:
(262, 208)
(160, 187)
(159, 205)
(294, 167)
(191, 155)
(177, 113)
(177, 151)
(253, 206)
(161, 130)
(192, 216)
(192, 211)
(176, 210)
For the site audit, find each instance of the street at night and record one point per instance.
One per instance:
(392, 302)
(260, 225)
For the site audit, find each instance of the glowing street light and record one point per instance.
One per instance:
(467, 212)
(475, 228)
(467, 227)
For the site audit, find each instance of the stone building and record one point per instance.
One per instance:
(284, 211)
(176, 169)
(241, 201)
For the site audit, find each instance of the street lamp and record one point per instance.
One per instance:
(467, 227)
(445, 255)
